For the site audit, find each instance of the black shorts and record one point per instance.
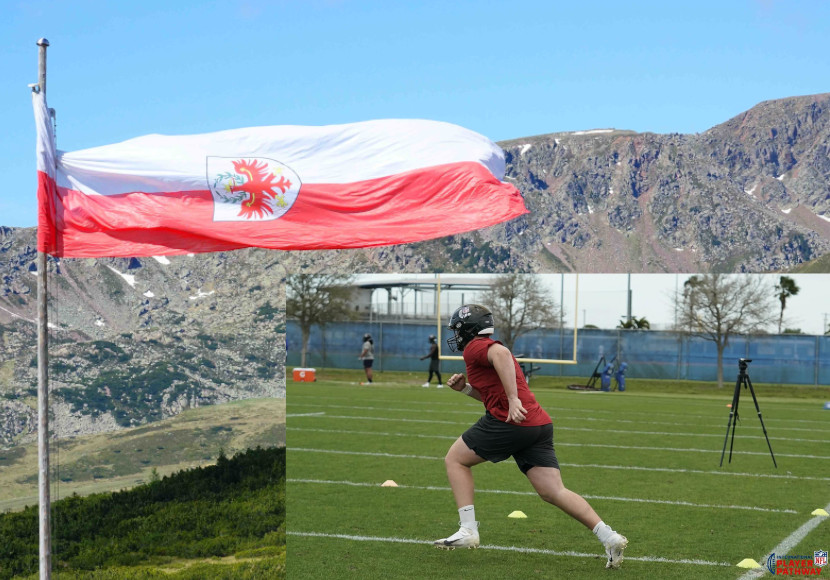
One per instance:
(367, 363)
(495, 441)
(434, 366)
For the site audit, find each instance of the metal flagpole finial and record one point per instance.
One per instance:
(42, 42)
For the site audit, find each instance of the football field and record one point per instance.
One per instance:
(647, 462)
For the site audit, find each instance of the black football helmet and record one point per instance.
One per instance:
(466, 323)
(368, 337)
(432, 338)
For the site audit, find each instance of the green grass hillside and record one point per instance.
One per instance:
(124, 459)
(221, 521)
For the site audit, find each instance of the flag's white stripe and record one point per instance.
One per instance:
(787, 544)
(45, 135)
(533, 493)
(570, 553)
(588, 465)
(329, 154)
(558, 444)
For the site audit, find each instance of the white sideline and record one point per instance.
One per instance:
(533, 493)
(315, 401)
(477, 412)
(657, 559)
(589, 465)
(786, 545)
(558, 428)
(559, 444)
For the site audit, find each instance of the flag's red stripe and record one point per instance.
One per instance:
(418, 205)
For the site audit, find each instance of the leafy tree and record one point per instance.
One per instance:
(635, 324)
(317, 299)
(716, 306)
(785, 288)
(520, 305)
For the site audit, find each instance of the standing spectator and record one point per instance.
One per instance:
(434, 362)
(367, 355)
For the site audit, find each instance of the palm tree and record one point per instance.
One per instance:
(634, 324)
(785, 288)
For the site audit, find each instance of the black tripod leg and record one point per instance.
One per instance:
(735, 410)
(763, 427)
(732, 413)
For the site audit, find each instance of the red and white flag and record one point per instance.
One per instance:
(365, 184)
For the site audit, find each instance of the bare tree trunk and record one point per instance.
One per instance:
(721, 348)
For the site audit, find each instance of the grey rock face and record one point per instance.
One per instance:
(137, 340)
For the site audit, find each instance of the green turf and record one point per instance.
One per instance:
(659, 445)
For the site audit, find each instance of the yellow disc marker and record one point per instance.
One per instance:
(389, 483)
(819, 512)
(517, 514)
(748, 563)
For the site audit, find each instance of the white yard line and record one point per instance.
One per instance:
(584, 465)
(583, 429)
(786, 545)
(558, 444)
(572, 554)
(533, 493)
(464, 407)
(557, 420)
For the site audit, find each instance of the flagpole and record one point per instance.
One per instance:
(43, 380)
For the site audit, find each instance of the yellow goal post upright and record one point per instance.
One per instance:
(572, 361)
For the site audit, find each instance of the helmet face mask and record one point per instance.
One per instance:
(466, 323)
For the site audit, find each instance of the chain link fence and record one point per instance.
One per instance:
(651, 354)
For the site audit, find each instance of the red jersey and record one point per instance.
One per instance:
(483, 376)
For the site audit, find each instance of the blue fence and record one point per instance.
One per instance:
(781, 359)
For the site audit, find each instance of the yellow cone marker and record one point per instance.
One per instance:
(748, 563)
(517, 514)
(389, 483)
(819, 512)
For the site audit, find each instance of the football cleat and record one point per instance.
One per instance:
(614, 550)
(463, 538)
(425, 385)
(440, 386)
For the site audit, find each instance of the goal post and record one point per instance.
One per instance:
(571, 361)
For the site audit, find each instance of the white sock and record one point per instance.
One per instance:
(467, 514)
(603, 532)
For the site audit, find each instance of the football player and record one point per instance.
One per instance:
(514, 425)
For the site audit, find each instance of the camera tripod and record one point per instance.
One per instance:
(743, 381)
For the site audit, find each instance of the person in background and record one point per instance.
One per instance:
(367, 355)
(434, 362)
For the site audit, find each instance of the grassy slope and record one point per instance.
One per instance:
(124, 459)
(665, 438)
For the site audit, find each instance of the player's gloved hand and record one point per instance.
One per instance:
(457, 382)
(516, 413)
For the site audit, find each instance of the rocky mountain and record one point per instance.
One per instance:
(136, 340)
(749, 195)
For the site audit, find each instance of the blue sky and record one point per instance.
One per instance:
(117, 70)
